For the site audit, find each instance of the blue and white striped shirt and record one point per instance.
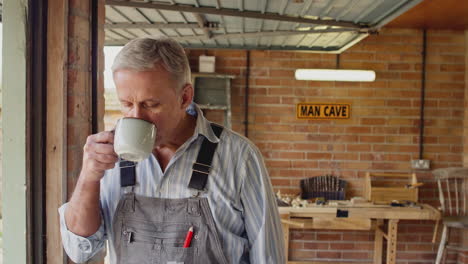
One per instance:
(240, 195)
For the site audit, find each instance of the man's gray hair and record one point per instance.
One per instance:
(144, 54)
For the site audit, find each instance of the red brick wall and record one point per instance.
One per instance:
(381, 135)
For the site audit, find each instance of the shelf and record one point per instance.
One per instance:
(212, 91)
(213, 107)
(212, 75)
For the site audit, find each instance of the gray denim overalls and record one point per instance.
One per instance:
(152, 230)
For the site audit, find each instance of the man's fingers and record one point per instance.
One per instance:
(104, 137)
(104, 149)
(99, 154)
(104, 158)
(98, 166)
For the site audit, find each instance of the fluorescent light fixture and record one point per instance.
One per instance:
(335, 75)
(303, 28)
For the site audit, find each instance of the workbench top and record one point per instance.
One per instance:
(365, 210)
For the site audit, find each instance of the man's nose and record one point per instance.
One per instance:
(136, 112)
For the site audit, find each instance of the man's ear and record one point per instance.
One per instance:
(187, 95)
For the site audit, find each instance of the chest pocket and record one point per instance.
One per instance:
(146, 242)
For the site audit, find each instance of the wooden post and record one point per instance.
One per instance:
(285, 226)
(56, 142)
(367, 187)
(392, 241)
(378, 242)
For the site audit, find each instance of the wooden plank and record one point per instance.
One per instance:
(378, 243)
(394, 175)
(342, 223)
(391, 191)
(367, 187)
(56, 140)
(285, 226)
(381, 232)
(433, 213)
(436, 228)
(425, 212)
(392, 241)
(394, 213)
(292, 210)
(297, 224)
(322, 215)
(329, 222)
(312, 262)
(388, 194)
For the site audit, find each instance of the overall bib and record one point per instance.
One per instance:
(152, 230)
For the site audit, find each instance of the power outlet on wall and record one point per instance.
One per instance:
(421, 164)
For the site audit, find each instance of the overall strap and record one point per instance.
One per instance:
(201, 168)
(127, 173)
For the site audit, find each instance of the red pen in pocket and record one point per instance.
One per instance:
(188, 238)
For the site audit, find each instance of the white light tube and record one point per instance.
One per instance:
(335, 75)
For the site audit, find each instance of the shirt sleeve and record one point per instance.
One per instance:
(261, 216)
(78, 248)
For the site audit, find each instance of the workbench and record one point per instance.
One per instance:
(346, 216)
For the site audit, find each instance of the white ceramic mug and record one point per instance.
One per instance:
(134, 138)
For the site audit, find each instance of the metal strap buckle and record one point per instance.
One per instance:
(208, 168)
(131, 166)
(204, 172)
(126, 163)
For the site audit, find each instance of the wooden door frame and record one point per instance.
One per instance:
(56, 129)
(36, 130)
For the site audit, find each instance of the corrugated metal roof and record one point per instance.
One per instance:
(312, 25)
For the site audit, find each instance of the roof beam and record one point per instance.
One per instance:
(240, 4)
(267, 34)
(200, 20)
(126, 18)
(223, 23)
(283, 6)
(327, 8)
(233, 12)
(247, 35)
(146, 18)
(202, 23)
(126, 25)
(305, 10)
(330, 50)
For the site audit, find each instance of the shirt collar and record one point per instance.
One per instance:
(203, 126)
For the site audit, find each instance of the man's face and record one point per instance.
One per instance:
(151, 96)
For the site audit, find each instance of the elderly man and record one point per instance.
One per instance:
(232, 210)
